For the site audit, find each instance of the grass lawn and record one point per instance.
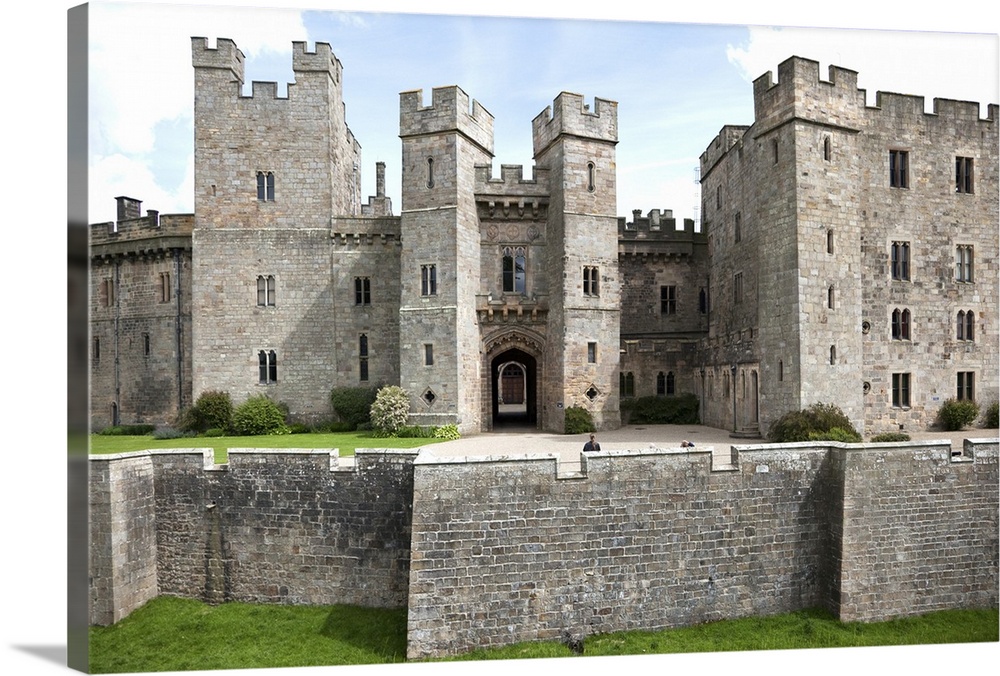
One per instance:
(347, 442)
(173, 634)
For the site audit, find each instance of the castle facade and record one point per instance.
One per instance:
(846, 254)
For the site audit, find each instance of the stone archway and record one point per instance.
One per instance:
(512, 362)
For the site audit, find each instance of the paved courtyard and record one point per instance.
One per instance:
(523, 440)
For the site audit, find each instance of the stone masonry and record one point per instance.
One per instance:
(847, 253)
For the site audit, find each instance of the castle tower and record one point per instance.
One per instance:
(439, 362)
(577, 147)
(270, 173)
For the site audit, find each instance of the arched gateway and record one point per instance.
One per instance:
(512, 368)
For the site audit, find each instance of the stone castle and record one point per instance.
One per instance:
(846, 253)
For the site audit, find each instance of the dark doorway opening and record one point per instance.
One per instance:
(513, 390)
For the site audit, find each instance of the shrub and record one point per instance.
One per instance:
(353, 405)
(171, 433)
(214, 432)
(259, 415)
(390, 410)
(578, 420)
(836, 434)
(679, 410)
(299, 428)
(991, 417)
(955, 414)
(137, 430)
(213, 409)
(891, 436)
(447, 432)
(818, 419)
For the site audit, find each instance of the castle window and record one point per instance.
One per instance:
(513, 270)
(363, 358)
(829, 241)
(591, 353)
(428, 354)
(591, 286)
(737, 227)
(963, 263)
(966, 386)
(626, 383)
(96, 353)
(430, 172)
(107, 292)
(900, 260)
(899, 168)
(265, 290)
(661, 384)
(963, 175)
(265, 186)
(362, 291)
(965, 325)
(781, 370)
(827, 148)
(738, 287)
(830, 298)
(145, 345)
(901, 390)
(267, 362)
(718, 197)
(163, 287)
(900, 324)
(668, 300)
(833, 355)
(774, 149)
(702, 301)
(591, 177)
(428, 280)
(671, 386)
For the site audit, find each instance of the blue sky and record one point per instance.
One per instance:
(676, 84)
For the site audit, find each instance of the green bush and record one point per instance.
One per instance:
(679, 410)
(812, 423)
(214, 432)
(213, 409)
(171, 433)
(891, 436)
(299, 428)
(955, 414)
(138, 430)
(259, 415)
(836, 434)
(390, 410)
(353, 405)
(578, 420)
(447, 432)
(991, 417)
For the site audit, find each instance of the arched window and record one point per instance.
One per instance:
(661, 384)
(265, 186)
(900, 324)
(965, 325)
(827, 148)
(626, 383)
(514, 270)
(833, 355)
(670, 382)
(268, 366)
(829, 241)
(830, 298)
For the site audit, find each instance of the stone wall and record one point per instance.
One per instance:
(505, 550)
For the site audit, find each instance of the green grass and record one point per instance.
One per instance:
(347, 442)
(172, 634)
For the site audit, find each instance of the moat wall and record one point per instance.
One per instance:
(491, 551)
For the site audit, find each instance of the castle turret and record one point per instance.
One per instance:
(577, 146)
(439, 334)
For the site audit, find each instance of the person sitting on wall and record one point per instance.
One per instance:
(687, 444)
(591, 445)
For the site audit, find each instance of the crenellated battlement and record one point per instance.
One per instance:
(225, 56)
(727, 137)
(569, 115)
(120, 236)
(365, 231)
(658, 234)
(450, 110)
(321, 59)
(511, 181)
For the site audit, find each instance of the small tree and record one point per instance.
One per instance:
(212, 410)
(578, 420)
(390, 410)
(353, 404)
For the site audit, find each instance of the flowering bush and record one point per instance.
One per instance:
(390, 410)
